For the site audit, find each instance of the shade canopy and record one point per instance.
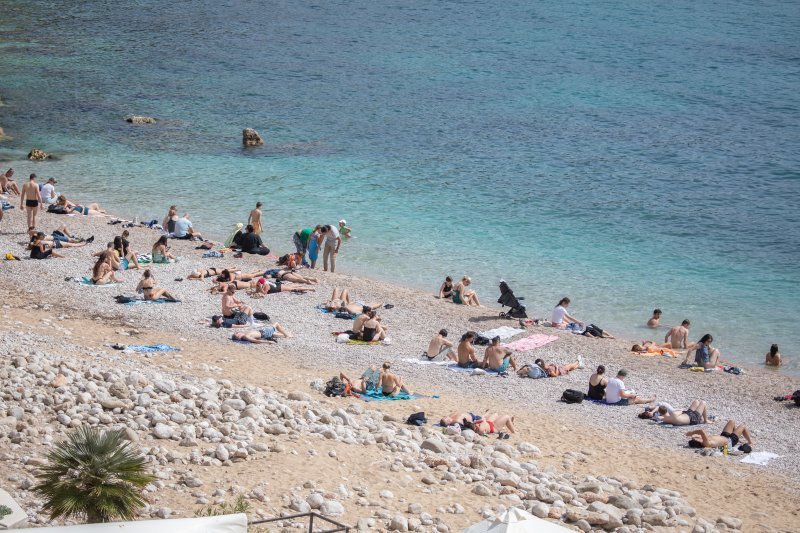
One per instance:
(515, 521)
(232, 523)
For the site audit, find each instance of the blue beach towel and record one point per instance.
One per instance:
(151, 348)
(158, 301)
(87, 281)
(377, 396)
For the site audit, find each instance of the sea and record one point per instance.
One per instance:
(628, 154)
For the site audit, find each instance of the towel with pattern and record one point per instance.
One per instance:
(537, 340)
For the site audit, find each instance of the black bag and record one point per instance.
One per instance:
(335, 387)
(57, 209)
(480, 340)
(593, 331)
(262, 316)
(417, 419)
(240, 318)
(121, 299)
(572, 396)
(796, 397)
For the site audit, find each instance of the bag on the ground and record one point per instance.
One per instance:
(335, 387)
(572, 396)
(481, 340)
(122, 299)
(417, 419)
(796, 397)
(57, 209)
(593, 331)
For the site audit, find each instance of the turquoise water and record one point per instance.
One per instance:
(628, 154)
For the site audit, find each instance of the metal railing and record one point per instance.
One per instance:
(311, 517)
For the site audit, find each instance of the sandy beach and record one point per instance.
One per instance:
(595, 447)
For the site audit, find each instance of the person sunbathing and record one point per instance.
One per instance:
(262, 336)
(697, 413)
(730, 437)
(56, 242)
(457, 418)
(264, 287)
(440, 348)
(339, 302)
(92, 209)
(237, 275)
(7, 183)
(282, 274)
(203, 273)
(41, 250)
(61, 234)
(553, 370)
(369, 381)
(161, 253)
(373, 330)
(654, 347)
(498, 358)
(103, 272)
(391, 384)
(462, 295)
(147, 286)
(113, 258)
(503, 425)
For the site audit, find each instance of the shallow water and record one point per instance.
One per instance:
(630, 155)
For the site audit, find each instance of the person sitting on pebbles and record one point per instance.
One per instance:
(231, 305)
(697, 413)
(369, 381)
(498, 358)
(503, 425)
(262, 336)
(730, 437)
(440, 348)
(147, 286)
(372, 329)
(617, 394)
(464, 296)
(466, 351)
(391, 384)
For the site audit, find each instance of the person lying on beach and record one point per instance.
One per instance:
(103, 272)
(617, 394)
(704, 354)
(168, 224)
(440, 348)
(598, 333)
(503, 425)
(121, 252)
(91, 210)
(339, 302)
(498, 358)
(697, 413)
(730, 437)
(391, 384)
(262, 336)
(113, 257)
(678, 336)
(7, 183)
(58, 239)
(282, 274)
(773, 357)
(231, 304)
(161, 253)
(147, 286)
(219, 321)
(203, 273)
(41, 250)
(446, 290)
(372, 329)
(221, 287)
(653, 347)
(251, 242)
(554, 371)
(369, 381)
(264, 287)
(466, 351)
(655, 319)
(560, 318)
(458, 418)
(184, 229)
(232, 274)
(461, 295)
(597, 384)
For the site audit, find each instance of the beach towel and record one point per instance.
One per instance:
(156, 301)
(86, 281)
(504, 332)
(151, 348)
(455, 368)
(337, 314)
(354, 341)
(656, 352)
(377, 396)
(144, 259)
(213, 253)
(759, 458)
(537, 340)
(422, 360)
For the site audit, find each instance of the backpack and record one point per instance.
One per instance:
(796, 397)
(122, 299)
(417, 419)
(57, 209)
(572, 396)
(593, 331)
(481, 340)
(336, 387)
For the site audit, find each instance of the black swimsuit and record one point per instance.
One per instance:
(597, 392)
(368, 334)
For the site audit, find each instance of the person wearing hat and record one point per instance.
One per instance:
(344, 230)
(48, 192)
(617, 394)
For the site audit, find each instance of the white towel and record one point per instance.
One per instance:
(420, 361)
(759, 458)
(504, 332)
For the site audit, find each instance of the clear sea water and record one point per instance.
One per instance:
(628, 154)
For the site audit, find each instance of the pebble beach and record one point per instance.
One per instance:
(219, 418)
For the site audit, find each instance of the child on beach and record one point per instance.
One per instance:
(345, 231)
(446, 290)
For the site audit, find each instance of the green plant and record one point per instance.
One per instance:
(4, 511)
(93, 475)
(239, 506)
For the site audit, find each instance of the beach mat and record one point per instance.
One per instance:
(86, 281)
(759, 458)
(151, 348)
(537, 340)
(425, 361)
(157, 301)
(377, 396)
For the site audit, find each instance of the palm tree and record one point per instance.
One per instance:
(93, 475)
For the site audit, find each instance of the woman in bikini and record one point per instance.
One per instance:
(730, 437)
(147, 286)
(91, 209)
(103, 273)
(446, 290)
(39, 249)
(503, 425)
(554, 371)
(282, 274)
(230, 274)
(206, 273)
(264, 287)
(161, 253)
(697, 413)
(373, 330)
(339, 302)
(463, 296)
(391, 384)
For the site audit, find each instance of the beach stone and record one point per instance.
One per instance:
(222, 453)
(527, 447)
(250, 137)
(111, 404)
(136, 119)
(433, 445)
(164, 512)
(130, 435)
(192, 481)
(398, 523)
(482, 490)
(299, 396)
(386, 494)
(37, 154)
(583, 525)
(118, 389)
(59, 381)
(162, 431)
(332, 508)
(301, 506)
(315, 500)
(623, 501)
(730, 522)
(539, 510)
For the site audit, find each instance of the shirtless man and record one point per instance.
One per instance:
(255, 219)
(262, 336)
(391, 384)
(466, 351)
(677, 336)
(498, 358)
(655, 319)
(697, 413)
(7, 183)
(730, 436)
(231, 304)
(440, 349)
(30, 198)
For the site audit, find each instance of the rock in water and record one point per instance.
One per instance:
(250, 137)
(37, 155)
(134, 119)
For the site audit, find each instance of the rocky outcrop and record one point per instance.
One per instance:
(250, 137)
(38, 155)
(135, 119)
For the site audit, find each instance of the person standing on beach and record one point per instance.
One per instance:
(300, 240)
(30, 198)
(255, 219)
(677, 336)
(332, 242)
(7, 183)
(654, 320)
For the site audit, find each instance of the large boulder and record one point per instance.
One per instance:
(37, 155)
(250, 137)
(135, 119)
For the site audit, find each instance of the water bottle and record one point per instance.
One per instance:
(136, 220)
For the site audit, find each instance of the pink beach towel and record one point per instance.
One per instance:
(537, 340)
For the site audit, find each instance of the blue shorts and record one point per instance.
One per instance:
(267, 332)
(504, 367)
(623, 402)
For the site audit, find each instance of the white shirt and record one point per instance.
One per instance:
(666, 406)
(558, 314)
(613, 389)
(182, 226)
(48, 193)
(333, 234)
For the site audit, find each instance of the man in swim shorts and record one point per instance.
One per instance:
(730, 437)
(466, 351)
(677, 336)
(498, 358)
(440, 348)
(29, 199)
